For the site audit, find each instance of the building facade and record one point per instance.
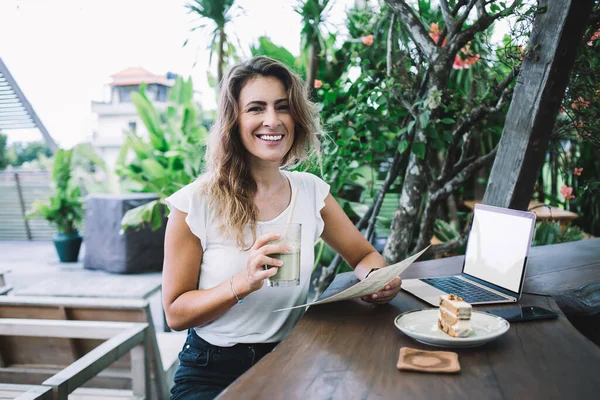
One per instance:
(118, 115)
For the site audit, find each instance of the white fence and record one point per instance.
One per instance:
(18, 190)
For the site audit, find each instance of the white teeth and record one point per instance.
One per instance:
(271, 138)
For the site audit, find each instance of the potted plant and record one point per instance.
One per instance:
(64, 209)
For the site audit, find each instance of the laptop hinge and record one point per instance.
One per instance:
(489, 288)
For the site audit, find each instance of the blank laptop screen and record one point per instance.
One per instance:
(497, 248)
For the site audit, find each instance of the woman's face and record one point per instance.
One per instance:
(266, 124)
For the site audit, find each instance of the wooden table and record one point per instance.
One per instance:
(349, 350)
(542, 212)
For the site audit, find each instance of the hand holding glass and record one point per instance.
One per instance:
(291, 235)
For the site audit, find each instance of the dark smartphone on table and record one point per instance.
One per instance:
(523, 313)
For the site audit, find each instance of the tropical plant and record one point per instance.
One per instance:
(314, 21)
(420, 100)
(570, 174)
(64, 208)
(171, 156)
(219, 14)
(552, 232)
(265, 47)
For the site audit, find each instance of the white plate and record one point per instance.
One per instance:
(422, 326)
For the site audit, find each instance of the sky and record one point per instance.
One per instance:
(62, 52)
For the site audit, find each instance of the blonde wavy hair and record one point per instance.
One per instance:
(227, 180)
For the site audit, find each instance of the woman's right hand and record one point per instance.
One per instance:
(254, 274)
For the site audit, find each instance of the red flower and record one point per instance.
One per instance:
(367, 40)
(567, 192)
(595, 36)
(318, 83)
(577, 171)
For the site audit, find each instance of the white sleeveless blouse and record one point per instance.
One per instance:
(253, 321)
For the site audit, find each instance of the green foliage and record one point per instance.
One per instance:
(575, 140)
(65, 207)
(314, 15)
(215, 15)
(551, 232)
(169, 158)
(4, 156)
(445, 232)
(30, 151)
(265, 47)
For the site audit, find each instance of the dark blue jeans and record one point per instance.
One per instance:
(206, 370)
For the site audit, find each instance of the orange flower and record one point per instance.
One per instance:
(567, 192)
(459, 63)
(318, 83)
(367, 40)
(579, 124)
(580, 102)
(435, 34)
(577, 171)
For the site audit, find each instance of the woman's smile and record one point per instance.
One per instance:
(270, 139)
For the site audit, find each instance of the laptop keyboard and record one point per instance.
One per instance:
(469, 292)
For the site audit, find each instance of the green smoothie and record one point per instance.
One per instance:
(289, 273)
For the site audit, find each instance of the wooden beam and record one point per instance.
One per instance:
(62, 329)
(540, 87)
(95, 302)
(75, 343)
(88, 366)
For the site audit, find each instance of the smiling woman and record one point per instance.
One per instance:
(266, 124)
(215, 263)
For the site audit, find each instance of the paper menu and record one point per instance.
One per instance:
(376, 281)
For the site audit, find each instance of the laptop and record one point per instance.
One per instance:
(495, 260)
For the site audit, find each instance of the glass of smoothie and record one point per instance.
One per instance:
(291, 234)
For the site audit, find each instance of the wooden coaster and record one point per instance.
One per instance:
(428, 361)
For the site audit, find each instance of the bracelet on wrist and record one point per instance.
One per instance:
(233, 291)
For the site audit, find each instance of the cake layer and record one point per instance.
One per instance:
(454, 317)
(448, 317)
(456, 305)
(461, 329)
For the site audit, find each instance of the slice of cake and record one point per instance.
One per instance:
(455, 316)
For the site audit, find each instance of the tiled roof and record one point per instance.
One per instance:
(137, 75)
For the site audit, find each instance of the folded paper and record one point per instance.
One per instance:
(374, 282)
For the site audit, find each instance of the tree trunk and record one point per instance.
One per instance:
(405, 217)
(538, 93)
(221, 57)
(313, 62)
(453, 212)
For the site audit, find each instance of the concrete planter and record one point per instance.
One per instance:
(134, 251)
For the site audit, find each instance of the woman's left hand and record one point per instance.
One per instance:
(385, 295)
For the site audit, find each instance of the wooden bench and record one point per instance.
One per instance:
(163, 346)
(24, 392)
(118, 339)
